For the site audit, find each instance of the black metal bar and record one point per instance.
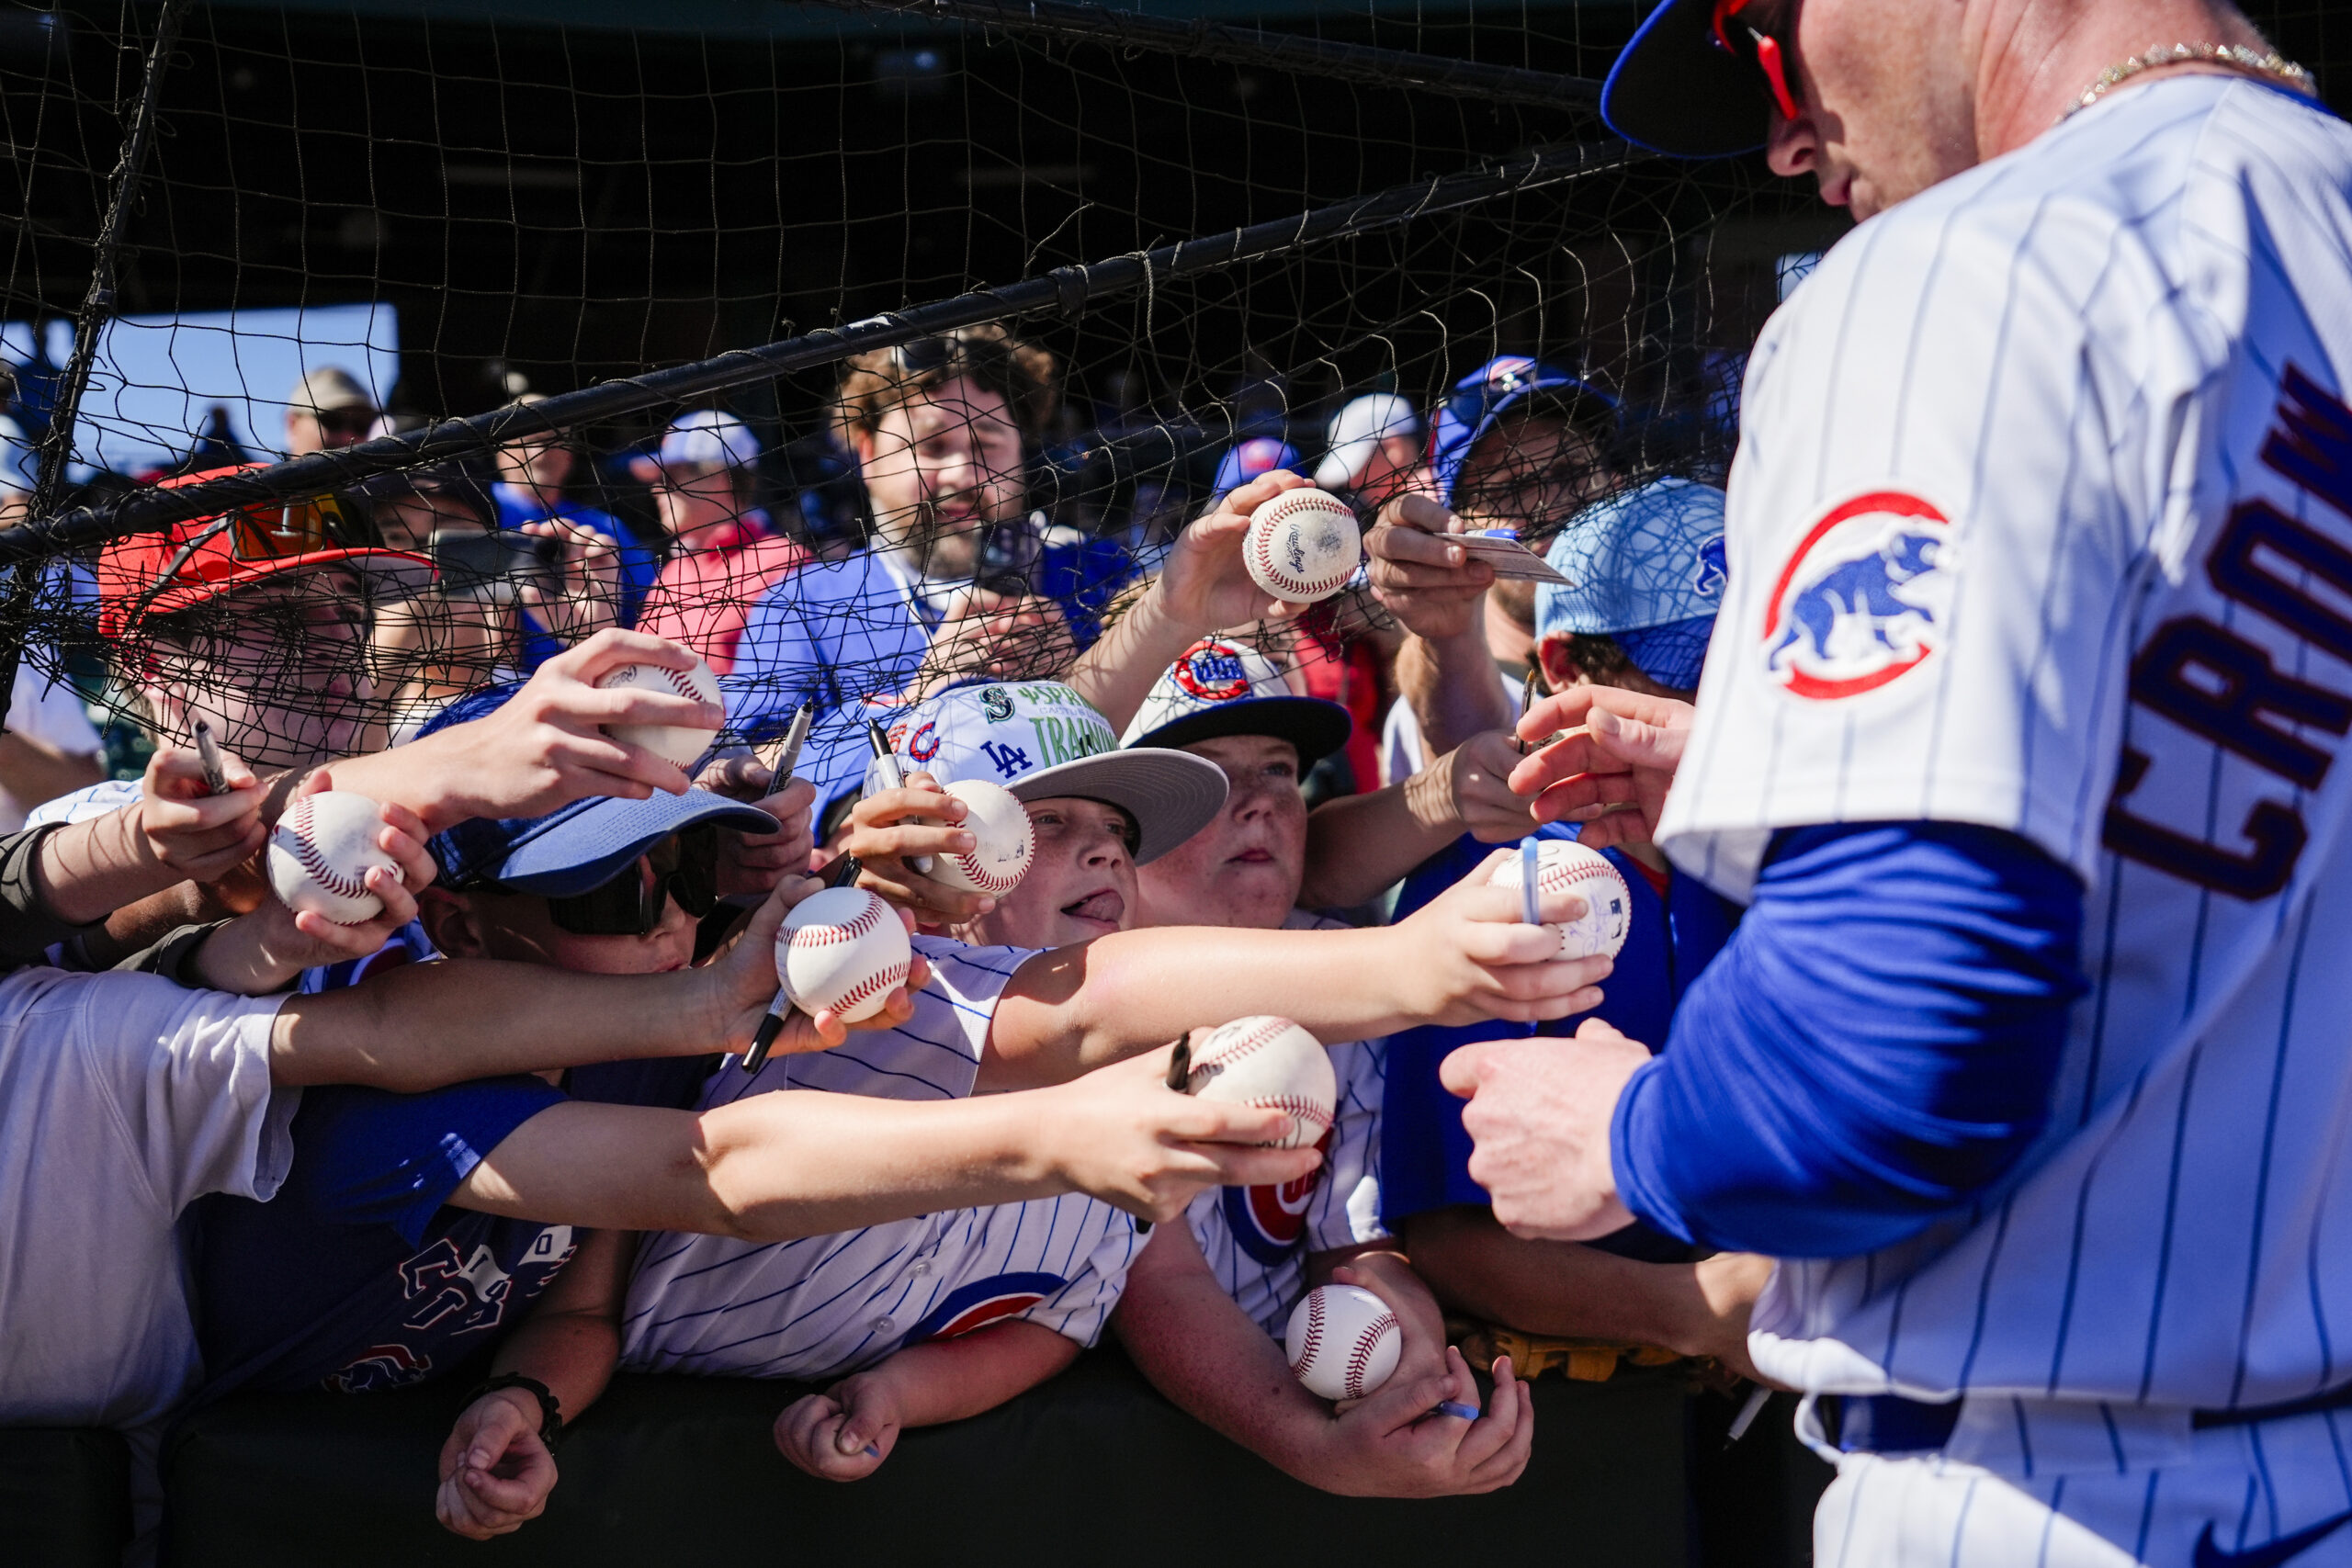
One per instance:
(98, 308)
(1205, 40)
(1065, 291)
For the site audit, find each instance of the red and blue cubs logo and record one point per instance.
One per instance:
(968, 1308)
(380, 1367)
(924, 744)
(1862, 599)
(1212, 672)
(1267, 1221)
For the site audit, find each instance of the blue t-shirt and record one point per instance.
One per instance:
(640, 566)
(358, 1276)
(1424, 1152)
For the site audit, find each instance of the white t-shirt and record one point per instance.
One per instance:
(123, 1098)
(51, 713)
(1402, 747)
(2041, 520)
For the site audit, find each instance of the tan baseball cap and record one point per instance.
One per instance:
(327, 389)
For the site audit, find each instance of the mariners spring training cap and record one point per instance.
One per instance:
(1481, 399)
(1675, 89)
(585, 845)
(1645, 570)
(708, 438)
(1357, 431)
(190, 563)
(1039, 738)
(1248, 459)
(1222, 688)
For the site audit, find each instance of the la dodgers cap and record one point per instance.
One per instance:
(1221, 688)
(1246, 460)
(1482, 398)
(1675, 90)
(578, 847)
(1039, 738)
(1357, 430)
(1645, 568)
(708, 438)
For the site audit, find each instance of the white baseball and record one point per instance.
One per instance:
(1563, 865)
(672, 743)
(999, 824)
(1271, 1062)
(1303, 546)
(843, 949)
(1343, 1342)
(320, 854)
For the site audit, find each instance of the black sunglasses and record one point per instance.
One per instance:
(684, 866)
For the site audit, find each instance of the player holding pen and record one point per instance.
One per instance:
(2030, 682)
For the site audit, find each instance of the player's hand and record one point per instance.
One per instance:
(495, 1472)
(740, 984)
(1420, 1320)
(1538, 1118)
(1469, 790)
(1610, 769)
(893, 827)
(843, 1434)
(182, 825)
(1428, 583)
(1467, 957)
(1396, 1444)
(1121, 1135)
(1204, 587)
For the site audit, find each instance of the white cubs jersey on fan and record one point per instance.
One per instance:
(1257, 1238)
(827, 1305)
(2043, 519)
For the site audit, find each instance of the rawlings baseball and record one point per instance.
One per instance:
(1343, 1342)
(1269, 1062)
(999, 859)
(1565, 867)
(321, 853)
(1303, 546)
(672, 743)
(843, 949)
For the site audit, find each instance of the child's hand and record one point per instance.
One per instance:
(889, 829)
(843, 1434)
(201, 835)
(495, 1472)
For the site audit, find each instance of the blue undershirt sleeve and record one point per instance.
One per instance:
(1873, 1051)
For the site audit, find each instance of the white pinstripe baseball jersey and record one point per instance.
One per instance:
(1257, 1238)
(2042, 520)
(825, 1306)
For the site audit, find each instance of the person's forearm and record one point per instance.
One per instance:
(1134, 650)
(237, 958)
(1556, 1286)
(572, 1352)
(1451, 685)
(33, 771)
(1195, 1347)
(87, 870)
(948, 1379)
(1358, 844)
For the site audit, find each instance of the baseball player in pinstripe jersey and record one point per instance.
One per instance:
(2018, 737)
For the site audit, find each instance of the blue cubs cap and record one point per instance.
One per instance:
(1646, 570)
(1225, 688)
(1676, 90)
(1481, 399)
(1246, 460)
(584, 845)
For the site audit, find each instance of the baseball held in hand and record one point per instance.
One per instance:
(321, 853)
(1000, 855)
(1270, 1063)
(1303, 546)
(1565, 867)
(843, 949)
(675, 743)
(1343, 1342)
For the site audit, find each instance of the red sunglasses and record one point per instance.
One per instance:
(1765, 49)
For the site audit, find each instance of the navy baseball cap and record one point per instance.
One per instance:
(1221, 688)
(1676, 89)
(570, 851)
(1481, 399)
(1245, 460)
(1645, 569)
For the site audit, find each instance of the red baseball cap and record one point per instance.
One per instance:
(192, 562)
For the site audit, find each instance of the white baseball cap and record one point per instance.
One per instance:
(1039, 738)
(1227, 688)
(1356, 430)
(708, 438)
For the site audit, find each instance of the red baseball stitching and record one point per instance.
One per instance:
(1560, 874)
(1243, 1045)
(851, 930)
(1314, 1331)
(1261, 546)
(321, 871)
(881, 980)
(1367, 1341)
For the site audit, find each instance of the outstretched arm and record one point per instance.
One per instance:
(845, 1433)
(1360, 843)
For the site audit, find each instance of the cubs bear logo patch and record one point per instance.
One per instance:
(1267, 1221)
(968, 1308)
(1863, 599)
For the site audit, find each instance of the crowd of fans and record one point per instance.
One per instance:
(483, 1135)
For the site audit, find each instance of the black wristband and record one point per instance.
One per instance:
(550, 1408)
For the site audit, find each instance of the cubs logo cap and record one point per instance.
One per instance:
(1647, 569)
(1224, 688)
(1039, 738)
(1481, 399)
(1675, 90)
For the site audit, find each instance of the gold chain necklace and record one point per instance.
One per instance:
(2274, 65)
